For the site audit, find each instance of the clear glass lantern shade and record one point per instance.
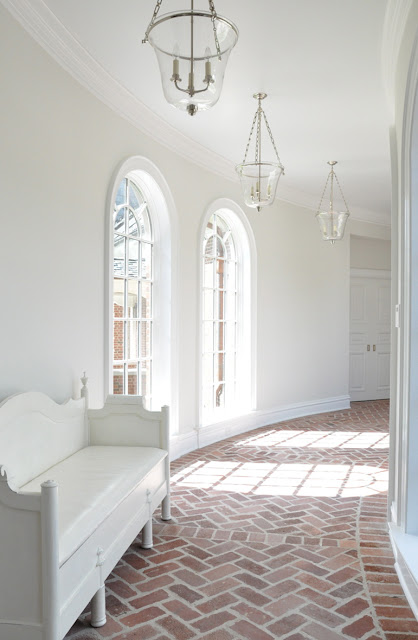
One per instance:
(259, 182)
(332, 224)
(177, 38)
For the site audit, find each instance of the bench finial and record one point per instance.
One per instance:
(84, 390)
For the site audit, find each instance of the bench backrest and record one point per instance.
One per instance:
(36, 433)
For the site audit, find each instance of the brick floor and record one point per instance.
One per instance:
(277, 533)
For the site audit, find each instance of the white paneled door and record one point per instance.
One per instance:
(369, 338)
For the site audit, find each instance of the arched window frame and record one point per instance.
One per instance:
(246, 310)
(163, 215)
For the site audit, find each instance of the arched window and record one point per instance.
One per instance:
(141, 345)
(219, 371)
(132, 293)
(228, 318)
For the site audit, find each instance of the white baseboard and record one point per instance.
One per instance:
(183, 443)
(209, 434)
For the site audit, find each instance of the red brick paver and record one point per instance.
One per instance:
(277, 533)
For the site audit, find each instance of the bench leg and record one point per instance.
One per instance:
(98, 608)
(165, 508)
(147, 542)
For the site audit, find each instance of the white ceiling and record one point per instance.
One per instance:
(319, 61)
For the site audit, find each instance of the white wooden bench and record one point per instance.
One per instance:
(76, 487)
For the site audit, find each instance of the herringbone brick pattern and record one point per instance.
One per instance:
(279, 533)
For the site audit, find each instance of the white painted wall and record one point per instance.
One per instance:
(59, 149)
(369, 253)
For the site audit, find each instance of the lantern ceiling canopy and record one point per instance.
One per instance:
(259, 179)
(332, 223)
(192, 49)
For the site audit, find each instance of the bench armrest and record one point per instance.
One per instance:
(123, 421)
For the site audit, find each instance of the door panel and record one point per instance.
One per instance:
(369, 338)
(357, 372)
(383, 371)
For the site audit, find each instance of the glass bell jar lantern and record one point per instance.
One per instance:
(331, 222)
(192, 49)
(259, 178)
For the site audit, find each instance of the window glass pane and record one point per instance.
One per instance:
(208, 337)
(119, 220)
(229, 246)
(119, 255)
(117, 382)
(220, 270)
(132, 340)
(207, 369)
(118, 340)
(146, 339)
(209, 247)
(220, 396)
(219, 336)
(135, 196)
(208, 232)
(146, 260)
(145, 225)
(132, 379)
(208, 398)
(220, 249)
(230, 336)
(219, 367)
(133, 251)
(132, 224)
(220, 304)
(121, 194)
(230, 366)
(208, 308)
(208, 273)
(118, 297)
(222, 228)
(132, 299)
(230, 306)
(146, 378)
(230, 280)
(146, 300)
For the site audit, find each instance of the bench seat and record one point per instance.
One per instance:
(77, 486)
(92, 483)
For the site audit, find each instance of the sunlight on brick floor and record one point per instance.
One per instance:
(277, 533)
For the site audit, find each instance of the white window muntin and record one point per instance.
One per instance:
(219, 317)
(132, 293)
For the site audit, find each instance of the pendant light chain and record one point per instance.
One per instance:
(257, 119)
(155, 14)
(323, 193)
(341, 191)
(249, 139)
(271, 138)
(258, 135)
(332, 175)
(214, 16)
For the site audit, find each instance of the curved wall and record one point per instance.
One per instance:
(60, 147)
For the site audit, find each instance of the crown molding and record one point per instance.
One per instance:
(45, 28)
(396, 19)
(50, 33)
